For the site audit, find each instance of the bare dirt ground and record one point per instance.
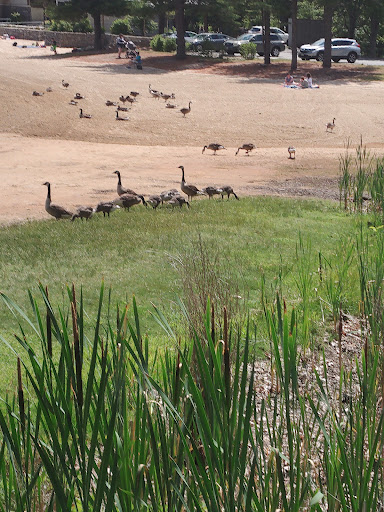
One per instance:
(43, 138)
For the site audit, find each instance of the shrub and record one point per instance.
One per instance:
(15, 17)
(83, 25)
(170, 45)
(122, 26)
(248, 51)
(157, 43)
(61, 26)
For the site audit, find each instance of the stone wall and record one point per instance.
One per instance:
(67, 39)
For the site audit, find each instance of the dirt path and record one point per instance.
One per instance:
(43, 138)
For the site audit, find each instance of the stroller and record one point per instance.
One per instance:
(130, 50)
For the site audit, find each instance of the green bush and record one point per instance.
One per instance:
(122, 26)
(157, 43)
(15, 17)
(61, 26)
(170, 45)
(83, 25)
(248, 51)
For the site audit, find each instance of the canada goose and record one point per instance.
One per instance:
(122, 109)
(166, 97)
(170, 105)
(78, 96)
(120, 189)
(84, 116)
(214, 147)
(186, 111)
(53, 209)
(121, 118)
(130, 100)
(189, 190)
(106, 207)
(211, 191)
(110, 103)
(227, 189)
(292, 152)
(155, 94)
(330, 126)
(167, 195)
(247, 147)
(73, 102)
(179, 201)
(64, 84)
(128, 200)
(123, 99)
(49, 89)
(35, 93)
(134, 94)
(154, 201)
(83, 212)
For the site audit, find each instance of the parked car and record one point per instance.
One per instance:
(215, 41)
(188, 36)
(342, 48)
(233, 46)
(258, 29)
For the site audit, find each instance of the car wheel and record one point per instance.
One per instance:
(261, 54)
(351, 58)
(199, 48)
(275, 52)
(336, 59)
(320, 57)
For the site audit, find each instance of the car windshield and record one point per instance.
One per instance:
(245, 37)
(201, 36)
(319, 42)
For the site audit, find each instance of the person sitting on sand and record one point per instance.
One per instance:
(289, 80)
(304, 83)
(311, 85)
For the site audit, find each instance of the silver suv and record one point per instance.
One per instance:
(233, 46)
(342, 48)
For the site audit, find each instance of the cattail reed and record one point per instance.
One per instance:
(20, 393)
(77, 354)
(340, 334)
(227, 369)
(49, 327)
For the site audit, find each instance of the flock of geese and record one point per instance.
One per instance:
(128, 198)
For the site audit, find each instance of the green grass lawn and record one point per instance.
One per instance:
(134, 252)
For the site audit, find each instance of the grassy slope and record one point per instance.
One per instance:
(133, 251)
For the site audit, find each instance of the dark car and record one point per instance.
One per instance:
(212, 40)
(233, 46)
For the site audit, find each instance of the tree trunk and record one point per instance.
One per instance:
(161, 23)
(328, 13)
(374, 30)
(267, 36)
(293, 41)
(98, 44)
(180, 28)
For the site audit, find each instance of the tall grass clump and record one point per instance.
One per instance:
(99, 423)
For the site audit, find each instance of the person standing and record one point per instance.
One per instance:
(120, 43)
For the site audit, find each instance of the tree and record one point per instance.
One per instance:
(180, 28)
(329, 7)
(293, 40)
(77, 9)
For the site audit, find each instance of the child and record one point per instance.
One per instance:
(138, 61)
(311, 85)
(54, 47)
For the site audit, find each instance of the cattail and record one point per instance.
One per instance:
(340, 332)
(49, 329)
(78, 361)
(213, 323)
(20, 393)
(227, 374)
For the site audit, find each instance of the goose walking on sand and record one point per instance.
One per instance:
(84, 116)
(330, 126)
(64, 84)
(54, 209)
(292, 152)
(186, 111)
(247, 148)
(189, 190)
(118, 118)
(213, 147)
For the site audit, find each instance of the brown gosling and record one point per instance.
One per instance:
(64, 84)
(167, 195)
(106, 207)
(123, 99)
(212, 191)
(186, 111)
(83, 212)
(122, 109)
(179, 201)
(49, 89)
(128, 200)
(292, 152)
(73, 102)
(247, 148)
(134, 94)
(35, 93)
(227, 189)
(110, 103)
(214, 147)
(84, 116)
(78, 96)
(166, 97)
(154, 201)
(330, 126)
(170, 105)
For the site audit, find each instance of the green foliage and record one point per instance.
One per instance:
(170, 45)
(83, 25)
(248, 51)
(60, 26)
(122, 26)
(157, 43)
